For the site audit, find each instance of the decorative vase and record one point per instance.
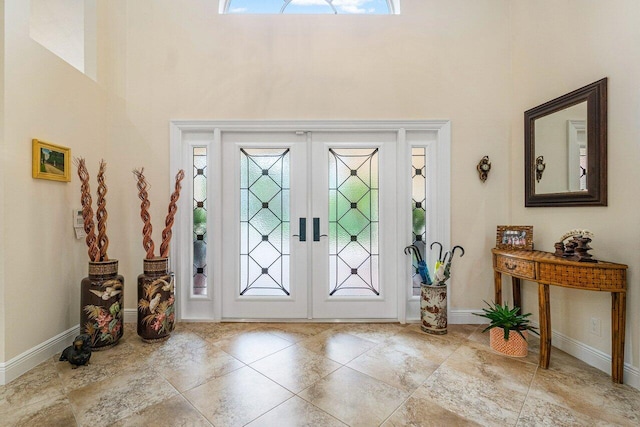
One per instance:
(433, 309)
(101, 302)
(156, 313)
(515, 346)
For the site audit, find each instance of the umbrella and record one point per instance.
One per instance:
(423, 270)
(443, 267)
(439, 260)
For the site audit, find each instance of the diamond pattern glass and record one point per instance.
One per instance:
(353, 222)
(264, 222)
(418, 208)
(200, 221)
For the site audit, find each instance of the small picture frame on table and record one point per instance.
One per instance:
(51, 161)
(515, 237)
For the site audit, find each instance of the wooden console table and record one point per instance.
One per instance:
(547, 269)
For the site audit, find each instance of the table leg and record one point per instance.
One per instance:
(497, 282)
(517, 298)
(618, 318)
(545, 325)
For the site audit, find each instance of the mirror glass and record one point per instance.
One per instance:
(561, 140)
(566, 149)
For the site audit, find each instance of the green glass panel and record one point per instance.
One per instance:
(353, 222)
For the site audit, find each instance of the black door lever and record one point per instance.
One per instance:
(316, 230)
(302, 227)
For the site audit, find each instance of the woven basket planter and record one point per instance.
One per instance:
(515, 346)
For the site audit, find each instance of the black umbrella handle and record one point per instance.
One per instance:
(453, 251)
(413, 249)
(440, 254)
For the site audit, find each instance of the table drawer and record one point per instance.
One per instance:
(516, 267)
(598, 279)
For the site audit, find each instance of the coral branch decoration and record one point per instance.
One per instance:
(147, 241)
(173, 208)
(101, 214)
(87, 211)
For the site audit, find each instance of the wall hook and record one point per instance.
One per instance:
(484, 166)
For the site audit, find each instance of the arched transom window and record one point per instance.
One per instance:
(371, 7)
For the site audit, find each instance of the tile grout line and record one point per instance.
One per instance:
(345, 365)
(66, 393)
(193, 406)
(533, 377)
(294, 394)
(466, 340)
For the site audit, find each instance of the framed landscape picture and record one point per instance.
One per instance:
(51, 161)
(514, 237)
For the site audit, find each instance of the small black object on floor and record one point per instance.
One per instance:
(79, 353)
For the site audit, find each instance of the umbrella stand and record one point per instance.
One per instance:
(433, 297)
(433, 294)
(433, 309)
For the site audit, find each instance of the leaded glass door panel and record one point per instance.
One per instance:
(308, 225)
(265, 195)
(354, 190)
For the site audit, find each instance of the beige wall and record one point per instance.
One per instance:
(583, 41)
(43, 264)
(2, 200)
(438, 60)
(478, 63)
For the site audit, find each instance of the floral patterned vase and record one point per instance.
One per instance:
(101, 302)
(433, 309)
(156, 312)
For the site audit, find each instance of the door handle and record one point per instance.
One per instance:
(316, 230)
(302, 227)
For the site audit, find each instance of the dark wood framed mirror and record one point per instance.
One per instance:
(565, 156)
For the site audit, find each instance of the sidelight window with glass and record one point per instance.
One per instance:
(418, 208)
(200, 238)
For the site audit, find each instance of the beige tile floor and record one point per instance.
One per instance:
(277, 374)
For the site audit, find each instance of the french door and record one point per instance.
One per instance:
(275, 222)
(308, 225)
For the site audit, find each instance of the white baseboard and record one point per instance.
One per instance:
(31, 358)
(458, 317)
(592, 356)
(130, 315)
(465, 317)
(631, 376)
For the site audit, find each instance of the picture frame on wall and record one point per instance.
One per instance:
(514, 237)
(50, 161)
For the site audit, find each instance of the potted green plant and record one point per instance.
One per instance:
(503, 320)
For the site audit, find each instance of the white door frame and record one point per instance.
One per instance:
(435, 135)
